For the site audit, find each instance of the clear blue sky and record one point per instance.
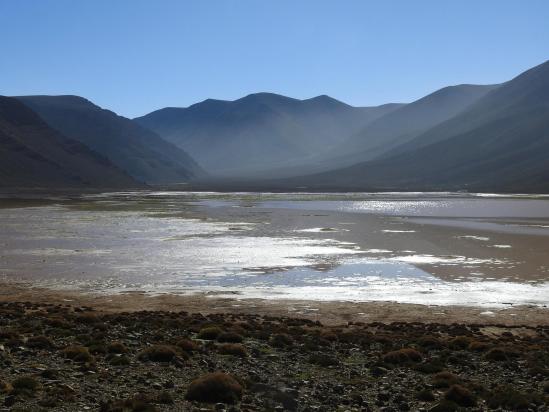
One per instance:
(135, 56)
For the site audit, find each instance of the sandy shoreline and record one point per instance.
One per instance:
(329, 313)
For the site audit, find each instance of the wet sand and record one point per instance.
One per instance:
(329, 313)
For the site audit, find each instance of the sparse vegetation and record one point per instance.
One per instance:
(235, 349)
(117, 347)
(209, 333)
(187, 345)
(26, 385)
(78, 354)
(281, 340)
(230, 337)
(40, 342)
(445, 379)
(158, 353)
(460, 395)
(215, 387)
(284, 362)
(405, 355)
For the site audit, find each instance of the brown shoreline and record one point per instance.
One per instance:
(328, 313)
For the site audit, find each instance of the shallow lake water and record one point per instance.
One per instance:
(427, 248)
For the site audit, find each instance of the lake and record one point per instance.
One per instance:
(426, 248)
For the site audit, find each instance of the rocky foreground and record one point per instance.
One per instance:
(64, 358)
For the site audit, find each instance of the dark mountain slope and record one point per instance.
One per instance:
(140, 152)
(32, 154)
(259, 131)
(408, 122)
(499, 143)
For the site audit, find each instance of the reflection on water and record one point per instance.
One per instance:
(375, 280)
(86, 246)
(476, 250)
(470, 208)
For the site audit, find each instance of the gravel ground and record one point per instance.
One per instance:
(71, 358)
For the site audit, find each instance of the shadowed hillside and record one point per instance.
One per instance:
(500, 143)
(134, 149)
(32, 154)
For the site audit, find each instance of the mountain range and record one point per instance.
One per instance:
(464, 137)
(262, 131)
(498, 143)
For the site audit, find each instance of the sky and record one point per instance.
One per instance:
(136, 56)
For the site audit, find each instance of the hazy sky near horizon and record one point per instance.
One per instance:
(135, 56)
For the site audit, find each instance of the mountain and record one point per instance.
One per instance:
(406, 123)
(32, 154)
(140, 152)
(259, 131)
(499, 143)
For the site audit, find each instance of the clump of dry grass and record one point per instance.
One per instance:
(187, 345)
(281, 340)
(79, 354)
(117, 347)
(215, 387)
(39, 342)
(26, 385)
(404, 355)
(158, 353)
(209, 333)
(230, 337)
(460, 395)
(445, 379)
(235, 349)
(459, 343)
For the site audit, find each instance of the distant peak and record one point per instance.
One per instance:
(324, 99)
(58, 100)
(266, 97)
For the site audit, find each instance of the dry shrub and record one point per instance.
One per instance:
(158, 353)
(78, 354)
(215, 387)
(117, 347)
(209, 333)
(460, 395)
(405, 355)
(230, 337)
(187, 345)
(235, 349)
(459, 343)
(39, 342)
(445, 379)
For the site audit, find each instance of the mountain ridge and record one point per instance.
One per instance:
(260, 130)
(134, 149)
(32, 154)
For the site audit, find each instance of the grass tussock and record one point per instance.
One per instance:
(26, 385)
(215, 387)
(445, 379)
(158, 353)
(40, 342)
(188, 345)
(230, 337)
(79, 354)
(405, 355)
(460, 395)
(209, 333)
(117, 347)
(234, 349)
